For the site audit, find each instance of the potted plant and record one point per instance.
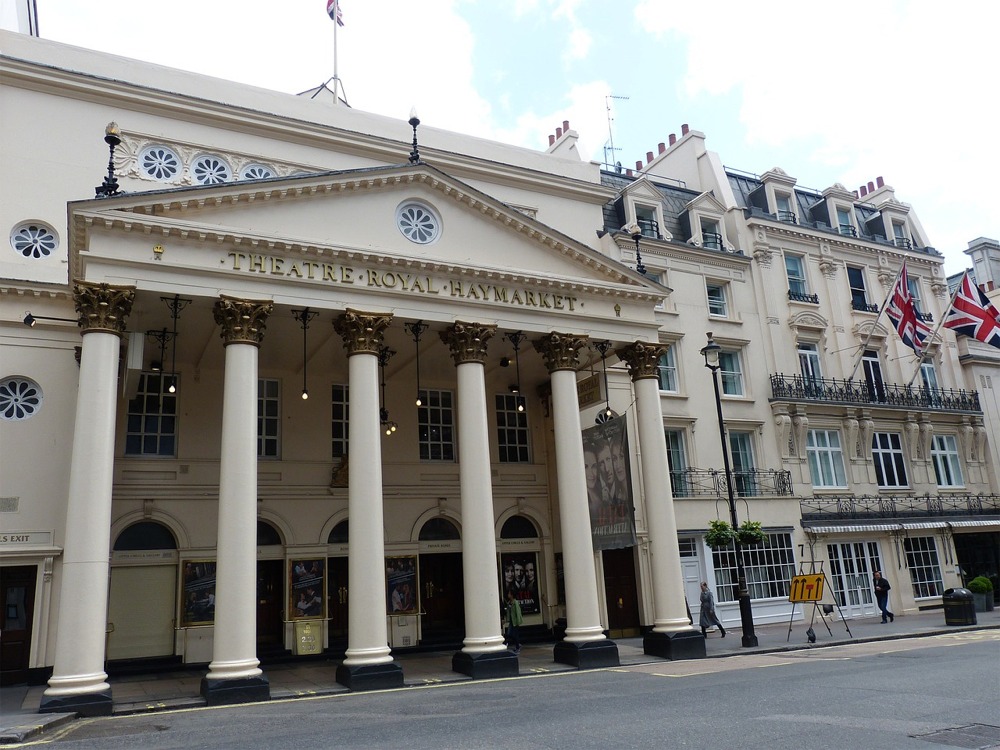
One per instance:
(751, 532)
(720, 534)
(982, 590)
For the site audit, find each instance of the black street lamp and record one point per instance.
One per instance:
(711, 354)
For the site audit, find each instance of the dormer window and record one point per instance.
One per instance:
(899, 237)
(784, 212)
(645, 217)
(711, 237)
(844, 223)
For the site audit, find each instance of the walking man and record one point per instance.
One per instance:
(882, 596)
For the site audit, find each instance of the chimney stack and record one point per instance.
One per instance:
(863, 190)
(684, 130)
(552, 139)
(672, 139)
(558, 133)
(661, 147)
(880, 181)
(871, 187)
(565, 126)
(638, 166)
(649, 156)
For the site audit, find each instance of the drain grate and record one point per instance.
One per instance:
(973, 736)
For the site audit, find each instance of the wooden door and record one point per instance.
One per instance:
(336, 600)
(620, 590)
(442, 602)
(270, 606)
(17, 586)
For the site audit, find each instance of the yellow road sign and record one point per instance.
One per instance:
(807, 588)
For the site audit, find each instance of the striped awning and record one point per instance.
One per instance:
(851, 528)
(985, 523)
(925, 524)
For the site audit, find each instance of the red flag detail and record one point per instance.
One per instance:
(903, 314)
(973, 315)
(333, 10)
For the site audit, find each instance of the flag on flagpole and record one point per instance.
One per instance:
(973, 315)
(911, 329)
(333, 10)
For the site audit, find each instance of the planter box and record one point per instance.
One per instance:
(984, 602)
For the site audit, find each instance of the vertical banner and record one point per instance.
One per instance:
(305, 588)
(199, 592)
(520, 575)
(609, 484)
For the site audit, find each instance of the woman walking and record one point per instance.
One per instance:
(708, 617)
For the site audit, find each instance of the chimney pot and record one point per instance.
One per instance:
(871, 187)
(856, 194)
(628, 172)
(863, 190)
(552, 139)
(638, 166)
(661, 147)
(649, 156)
(880, 181)
(558, 132)
(684, 129)
(565, 126)
(672, 139)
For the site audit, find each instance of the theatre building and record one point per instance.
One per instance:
(303, 379)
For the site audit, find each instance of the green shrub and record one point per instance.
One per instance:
(980, 585)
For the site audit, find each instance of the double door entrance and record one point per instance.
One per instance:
(851, 568)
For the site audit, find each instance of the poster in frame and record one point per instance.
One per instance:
(305, 588)
(401, 585)
(198, 587)
(519, 575)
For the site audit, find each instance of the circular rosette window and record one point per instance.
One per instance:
(418, 222)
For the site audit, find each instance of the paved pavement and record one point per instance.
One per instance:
(20, 720)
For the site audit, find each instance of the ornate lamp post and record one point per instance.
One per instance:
(711, 354)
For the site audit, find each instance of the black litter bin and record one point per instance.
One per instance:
(959, 607)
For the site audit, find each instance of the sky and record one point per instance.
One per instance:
(839, 92)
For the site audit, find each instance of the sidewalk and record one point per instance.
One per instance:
(20, 720)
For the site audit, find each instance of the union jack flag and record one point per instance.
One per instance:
(333, 10)
(973, 315)
(911, 329)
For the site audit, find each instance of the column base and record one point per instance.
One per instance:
(84, 704)
(370, 676)
(587, 655)
(485, 666)
(686, 644)
(218, 692)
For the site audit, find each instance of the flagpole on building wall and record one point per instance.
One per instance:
(871, 330)
(937, 329)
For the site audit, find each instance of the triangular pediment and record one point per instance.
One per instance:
(356, 214)
(707, 203)
(642, 189)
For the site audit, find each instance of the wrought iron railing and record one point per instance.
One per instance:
(799, 388)
(925, 316)
(787, 216)
(711, 240)
(803, 297)
(863, 306)
(848, 230)
(902, 242)
(860, 507)
(712, 483)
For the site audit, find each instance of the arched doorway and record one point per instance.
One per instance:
(442, 601)
(143, 593)
(336, 586)
(270, 593)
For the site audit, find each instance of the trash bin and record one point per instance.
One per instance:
(959, 607)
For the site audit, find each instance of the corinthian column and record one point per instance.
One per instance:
(367, 665)
(234, 676)
(672, 636)
(79, 682)
(483, 653)
(585, 645)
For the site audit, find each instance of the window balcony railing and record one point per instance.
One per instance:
(926, 317)
(830, 390)
(803, 297)
(862, 306)
(787, 217)
(712, 483)
(861, 507)
(649, 227)
(711, 240)
(902, 242)
(847, 230)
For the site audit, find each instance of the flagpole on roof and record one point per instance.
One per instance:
(871, 330)
(937, 328)
(333, 10)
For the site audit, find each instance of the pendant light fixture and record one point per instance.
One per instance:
(416, 330)
(175, 304)
(161, 337)
(604, 347)
(303, 316)
(384, 355)
(517, 338)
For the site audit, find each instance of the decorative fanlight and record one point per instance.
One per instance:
(517, 338)
(604, 347)
(384, 355)
(416, 330)
(303, 317)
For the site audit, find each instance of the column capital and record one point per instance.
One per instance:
(467, 341)
(242, 320)
(103, 307)
(362, 331)
(642, 358)
(560, 351)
